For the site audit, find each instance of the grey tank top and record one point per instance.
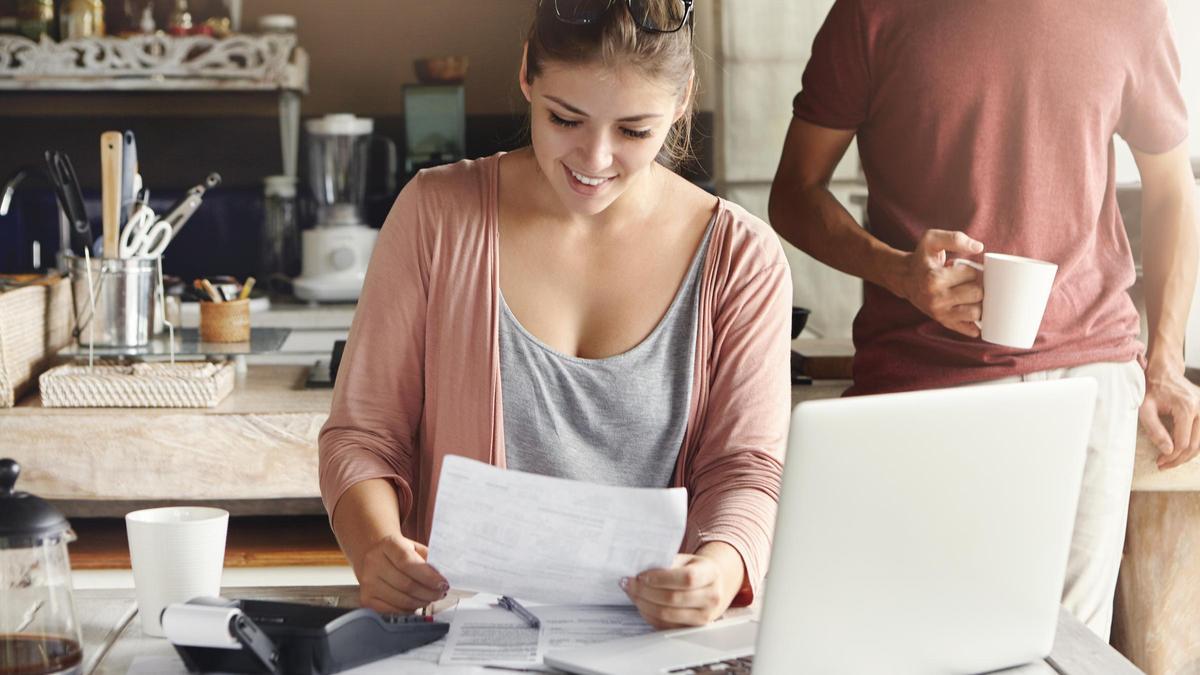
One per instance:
(618, 420)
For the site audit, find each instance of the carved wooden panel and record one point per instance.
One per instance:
(153, 62)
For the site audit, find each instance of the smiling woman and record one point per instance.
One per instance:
(576, 309)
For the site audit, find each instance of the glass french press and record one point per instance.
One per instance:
(39, 634)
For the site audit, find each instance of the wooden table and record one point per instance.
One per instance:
(113, 639)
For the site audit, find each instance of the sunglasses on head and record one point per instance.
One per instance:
(654, 16)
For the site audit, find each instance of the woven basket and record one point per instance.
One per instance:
(141, 385)
(35, 322)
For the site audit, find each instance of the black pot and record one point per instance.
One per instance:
(799, 318)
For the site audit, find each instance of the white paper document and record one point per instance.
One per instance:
(490, 635)
(547, 539)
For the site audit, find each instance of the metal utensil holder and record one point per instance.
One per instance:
(122, 292)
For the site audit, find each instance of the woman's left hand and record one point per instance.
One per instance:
(694, 591)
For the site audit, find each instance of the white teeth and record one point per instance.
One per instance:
(587, 180)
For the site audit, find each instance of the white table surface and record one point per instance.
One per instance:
(112, 635)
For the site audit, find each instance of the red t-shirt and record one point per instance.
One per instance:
(996, 118)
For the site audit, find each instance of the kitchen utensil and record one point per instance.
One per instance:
(182, 210)
(39, 633)
(129, 175)
(62, 172)
(144, 236)
(111, 146)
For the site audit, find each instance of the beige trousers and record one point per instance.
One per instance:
(1099, 536)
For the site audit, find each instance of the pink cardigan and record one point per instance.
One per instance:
(420, 377)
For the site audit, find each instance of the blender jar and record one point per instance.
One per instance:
(338, 147)
(39, 634)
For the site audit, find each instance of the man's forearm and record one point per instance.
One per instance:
(1169, 259)
(813, 220)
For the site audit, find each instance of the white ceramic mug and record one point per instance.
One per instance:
(1015, 292)
(178, 553)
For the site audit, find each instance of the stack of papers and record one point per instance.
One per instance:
(482, 633)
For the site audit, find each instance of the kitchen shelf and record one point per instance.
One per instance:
(154, 63)
(241, 63)
(187, 343)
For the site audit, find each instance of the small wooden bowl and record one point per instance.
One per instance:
(225, 321)
(441, 69)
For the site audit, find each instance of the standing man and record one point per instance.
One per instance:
(990, 125)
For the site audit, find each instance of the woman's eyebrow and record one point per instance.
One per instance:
(577, 111)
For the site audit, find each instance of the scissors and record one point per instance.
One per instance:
(144, 235)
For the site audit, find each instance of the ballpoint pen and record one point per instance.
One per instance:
(515, 607)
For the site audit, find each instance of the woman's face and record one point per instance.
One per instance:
(597, 130)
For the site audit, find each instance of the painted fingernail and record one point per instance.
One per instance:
(444, 587)
(624, 583)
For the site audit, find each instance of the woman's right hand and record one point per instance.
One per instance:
(393, 576)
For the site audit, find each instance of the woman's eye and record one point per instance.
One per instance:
(563, 122)
(637, 133)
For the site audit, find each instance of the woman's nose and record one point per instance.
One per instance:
(597, 153)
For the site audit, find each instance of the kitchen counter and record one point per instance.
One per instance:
(267, 428)
(258, 445)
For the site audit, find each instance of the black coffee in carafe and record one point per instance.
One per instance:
(33, 654)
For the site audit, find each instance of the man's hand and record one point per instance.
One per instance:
(694, 591)
(393, 577)
(951, 295)
(1169, 394)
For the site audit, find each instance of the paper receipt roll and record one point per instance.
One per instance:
(200, 626)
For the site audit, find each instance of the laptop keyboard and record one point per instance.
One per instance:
(739, 666)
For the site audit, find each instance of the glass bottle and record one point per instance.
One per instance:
(146, 22)
(277, 24)
(180, 22)
(280, 234)
(35, 18)
(81, 19)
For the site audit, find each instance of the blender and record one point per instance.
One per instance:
(335, 253)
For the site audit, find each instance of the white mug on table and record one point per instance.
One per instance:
(178, 553)
(1015, 292)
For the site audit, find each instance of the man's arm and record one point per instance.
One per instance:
(1169, 254)
(805, 213)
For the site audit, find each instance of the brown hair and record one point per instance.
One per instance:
(615, 39)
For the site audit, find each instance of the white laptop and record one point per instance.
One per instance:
(922, 532)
